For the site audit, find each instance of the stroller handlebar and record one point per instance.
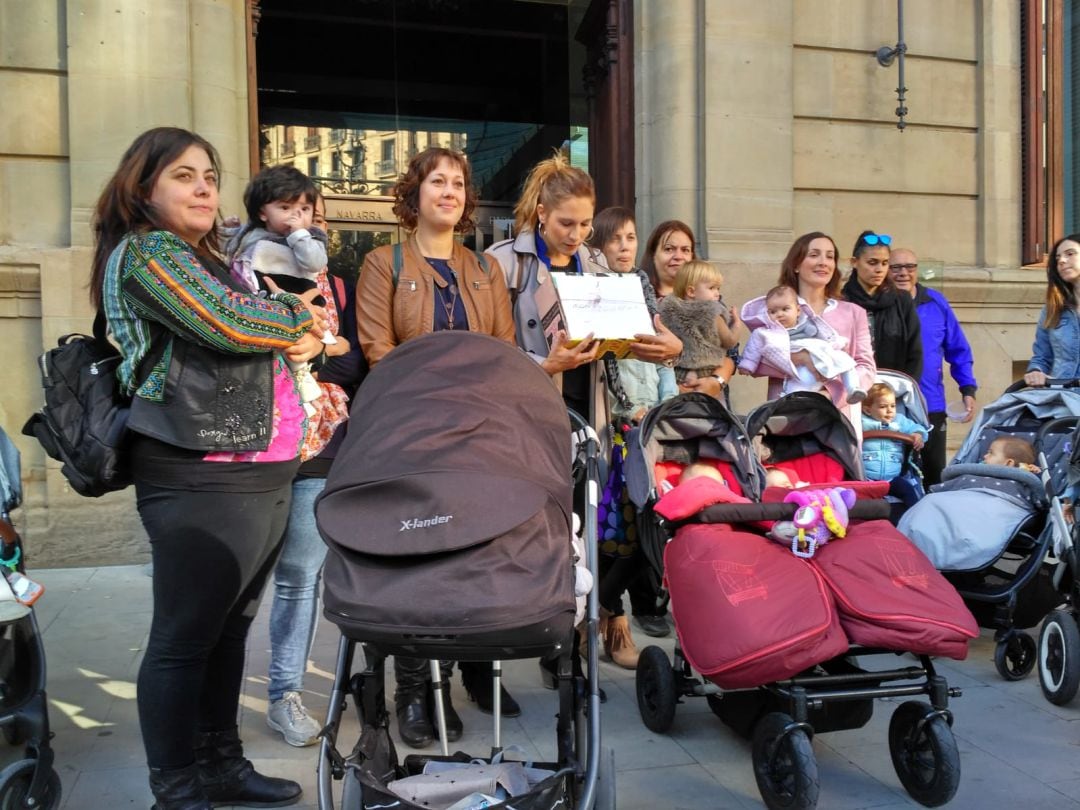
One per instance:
(1051, 382)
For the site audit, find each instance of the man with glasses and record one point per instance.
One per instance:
(943, 341)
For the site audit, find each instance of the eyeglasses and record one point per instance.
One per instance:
(877, 239)
(903, 268)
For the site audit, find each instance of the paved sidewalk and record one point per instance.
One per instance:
(1016, 749)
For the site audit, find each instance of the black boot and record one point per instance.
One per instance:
(230, 778)
(178, 789)
(478, 679)
(454, 727)
(413, 719)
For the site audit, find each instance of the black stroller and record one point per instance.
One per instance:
(24, 716)
(448, 520)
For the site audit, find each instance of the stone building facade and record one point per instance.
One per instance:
(754, 122)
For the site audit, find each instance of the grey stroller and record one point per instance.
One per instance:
(24, 716)
(999, 534)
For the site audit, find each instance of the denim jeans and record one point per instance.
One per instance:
(295, 610)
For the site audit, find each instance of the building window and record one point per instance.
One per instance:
(1050, 92)
(387, 165)
(335, 165)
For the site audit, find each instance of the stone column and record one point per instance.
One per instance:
(746, 98)
(135, 65)
(998, 150)
(667, 44)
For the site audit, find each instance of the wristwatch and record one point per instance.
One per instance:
(669, 363)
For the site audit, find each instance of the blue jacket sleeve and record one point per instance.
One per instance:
(958, 352)
(1042, 353)
(908, 425)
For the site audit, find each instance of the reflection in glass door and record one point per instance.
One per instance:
(349, 243)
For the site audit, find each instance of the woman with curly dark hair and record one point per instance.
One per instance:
(437, 283)
(427, 284)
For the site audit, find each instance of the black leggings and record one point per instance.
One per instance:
(212, 553)
(619, 575)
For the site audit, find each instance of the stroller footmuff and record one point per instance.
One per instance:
(448, 519)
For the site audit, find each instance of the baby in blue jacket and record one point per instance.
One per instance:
(883, 459)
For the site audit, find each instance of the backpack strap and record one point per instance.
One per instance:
(100, 325)
(482, 259)
(339, 291)
(399, 258)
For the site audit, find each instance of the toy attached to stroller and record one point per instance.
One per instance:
(1000, 535)
(776, 634)
(448, 519)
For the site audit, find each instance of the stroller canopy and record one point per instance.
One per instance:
(454, 438)
(802, 424)
(1021, 413)
(685, 429)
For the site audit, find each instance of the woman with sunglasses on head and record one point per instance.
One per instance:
(1056, 352)
(810, 268)
(894, 323)
(439, 285)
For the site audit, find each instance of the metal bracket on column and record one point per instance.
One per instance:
(885, 57)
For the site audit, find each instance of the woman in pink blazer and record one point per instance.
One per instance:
(810, 267)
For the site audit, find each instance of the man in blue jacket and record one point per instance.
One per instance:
(943, 340)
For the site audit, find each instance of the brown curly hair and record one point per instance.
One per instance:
(406, 190)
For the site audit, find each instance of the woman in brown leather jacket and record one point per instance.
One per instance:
(427, 284)
(440, 284)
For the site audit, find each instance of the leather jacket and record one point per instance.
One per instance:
(388, 316)
(212, 401)
(202, 347)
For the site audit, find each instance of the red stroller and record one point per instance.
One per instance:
(776, 636)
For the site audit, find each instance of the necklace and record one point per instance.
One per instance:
(449, 305)
(447, 297)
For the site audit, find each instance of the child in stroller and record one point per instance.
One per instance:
(1009, 564)
(885, 458)
(774, 634)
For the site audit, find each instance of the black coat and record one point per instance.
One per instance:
(894, 327)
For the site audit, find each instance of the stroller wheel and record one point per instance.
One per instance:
(1059, 657)
(924, 753)
(15, 782)
(1015, 656)
(656, 694)
(784, 764)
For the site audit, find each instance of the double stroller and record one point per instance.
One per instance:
(1001, 537)
(783, 641)
(448, 517)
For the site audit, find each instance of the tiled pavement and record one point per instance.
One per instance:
(1016, 749)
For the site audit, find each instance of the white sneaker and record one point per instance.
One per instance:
(289, 716)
